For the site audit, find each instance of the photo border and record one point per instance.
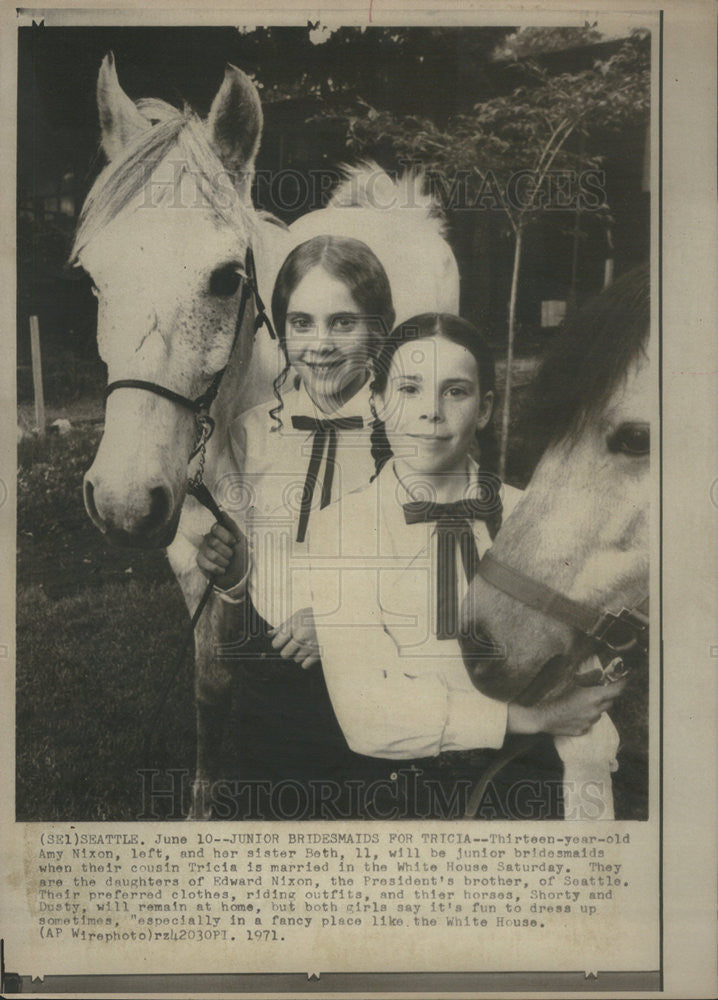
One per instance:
(486, 982)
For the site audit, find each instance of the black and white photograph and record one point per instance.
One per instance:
(284, 269)
(341, 404)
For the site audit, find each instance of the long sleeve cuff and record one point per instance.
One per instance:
(473, 720)
(588, 762)
(237, 593)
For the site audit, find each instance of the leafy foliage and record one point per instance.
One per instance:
(529, 42)
(406, 69)
(553, 121)
(527, 129)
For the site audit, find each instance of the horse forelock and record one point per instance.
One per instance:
(589, 362)
(182, 134)
(367, 185)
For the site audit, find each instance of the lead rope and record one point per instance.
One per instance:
(203, 495)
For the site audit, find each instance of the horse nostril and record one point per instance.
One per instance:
(159, 508)
(88, 494)
(479, 650)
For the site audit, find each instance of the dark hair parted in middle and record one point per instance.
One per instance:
(459, 331)
(349, 261)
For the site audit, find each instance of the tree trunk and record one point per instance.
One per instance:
(608, 262)
(573, 294)
(576, 236)
(510, 351)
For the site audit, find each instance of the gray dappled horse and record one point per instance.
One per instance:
(164, 235)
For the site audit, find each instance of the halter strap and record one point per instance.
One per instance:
(202, 403)
(262, 317)
(194, 405)
(617, 631)
(205, 426)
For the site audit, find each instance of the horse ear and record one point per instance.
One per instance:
(120, 120)
(235, 125)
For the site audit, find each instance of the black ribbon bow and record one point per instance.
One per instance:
(453, 528)
(324, 431)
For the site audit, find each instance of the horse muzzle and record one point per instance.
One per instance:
(143, 517)
(505, 645)
(485, 661)
(494, 676)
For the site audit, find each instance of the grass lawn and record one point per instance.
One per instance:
(98, 631)
(90, 668)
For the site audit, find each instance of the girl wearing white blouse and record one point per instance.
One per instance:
(388, 570)
(332, 307)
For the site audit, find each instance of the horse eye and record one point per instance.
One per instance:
(631, 439)
(224, 281)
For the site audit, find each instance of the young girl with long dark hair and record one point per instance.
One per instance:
(389, 567)
(332, 308)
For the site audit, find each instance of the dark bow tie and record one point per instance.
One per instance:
(331, 423)
(470, 509)
(324, 431)
(453, 528)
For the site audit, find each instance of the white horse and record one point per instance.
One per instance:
(164, 234)
(568, 573)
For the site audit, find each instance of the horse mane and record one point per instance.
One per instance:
(125, 177)
(366, 185)
(593, 352)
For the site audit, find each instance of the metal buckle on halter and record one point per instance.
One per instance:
(614, 671)
(622, 631)
(593, 671)
(205, 427)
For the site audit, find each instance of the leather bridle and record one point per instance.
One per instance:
(617, 632)
(612, 634)
(200, 406)
(196, 487)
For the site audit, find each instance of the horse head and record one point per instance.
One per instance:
(582, 526)
(163, 234)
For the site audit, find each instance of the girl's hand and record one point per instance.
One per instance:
(223, 555)
(571, 715)
(296, 639)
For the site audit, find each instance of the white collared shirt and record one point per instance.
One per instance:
(398, 692)
(260, 481)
